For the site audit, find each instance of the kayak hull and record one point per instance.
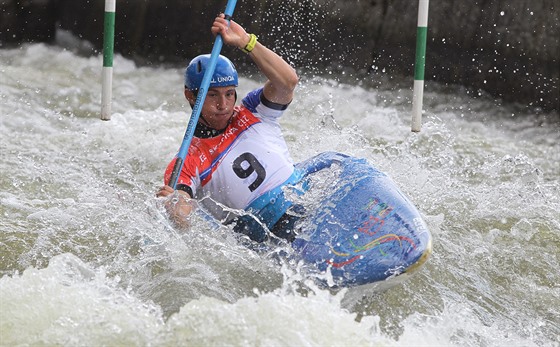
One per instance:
(365, 229)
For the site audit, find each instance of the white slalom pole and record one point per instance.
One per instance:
(418, 93)
(108, 45)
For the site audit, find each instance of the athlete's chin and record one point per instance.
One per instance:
(220, 121)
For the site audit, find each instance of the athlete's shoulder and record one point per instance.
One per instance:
(244, 117)
(257, 103)
(253, 99)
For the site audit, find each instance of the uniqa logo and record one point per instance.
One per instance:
(221, 79)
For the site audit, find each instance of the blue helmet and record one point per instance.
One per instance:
(224, 74)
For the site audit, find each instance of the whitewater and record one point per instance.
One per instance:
(88, 257)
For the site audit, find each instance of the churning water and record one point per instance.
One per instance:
(87, 256)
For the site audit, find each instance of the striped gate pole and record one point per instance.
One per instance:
(108, 45)
(418, 93)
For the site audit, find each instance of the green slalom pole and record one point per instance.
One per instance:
(108, 45)
(418, 93)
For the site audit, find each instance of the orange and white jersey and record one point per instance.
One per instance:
(229, 171)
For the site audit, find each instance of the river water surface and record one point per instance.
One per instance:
(87, 256)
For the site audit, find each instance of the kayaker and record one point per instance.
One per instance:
(238, 160)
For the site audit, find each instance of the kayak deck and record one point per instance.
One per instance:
(365, 230)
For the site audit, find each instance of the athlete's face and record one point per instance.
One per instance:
(218, 105)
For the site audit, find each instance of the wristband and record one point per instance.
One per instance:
(251, 44)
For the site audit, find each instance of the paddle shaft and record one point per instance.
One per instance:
(183, 150)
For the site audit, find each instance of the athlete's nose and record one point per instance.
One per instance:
(222, 102)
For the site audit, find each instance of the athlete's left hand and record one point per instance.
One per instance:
(164, 191)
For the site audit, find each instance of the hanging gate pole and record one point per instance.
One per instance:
(108, 45)
(418, 93)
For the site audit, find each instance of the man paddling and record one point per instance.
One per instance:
(238, 160)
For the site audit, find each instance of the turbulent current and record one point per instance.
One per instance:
(88, 257)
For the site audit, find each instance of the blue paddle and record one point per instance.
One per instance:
(182, 154)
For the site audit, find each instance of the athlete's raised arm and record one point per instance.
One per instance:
(282, 78)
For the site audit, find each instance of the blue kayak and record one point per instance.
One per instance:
(364, 230)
